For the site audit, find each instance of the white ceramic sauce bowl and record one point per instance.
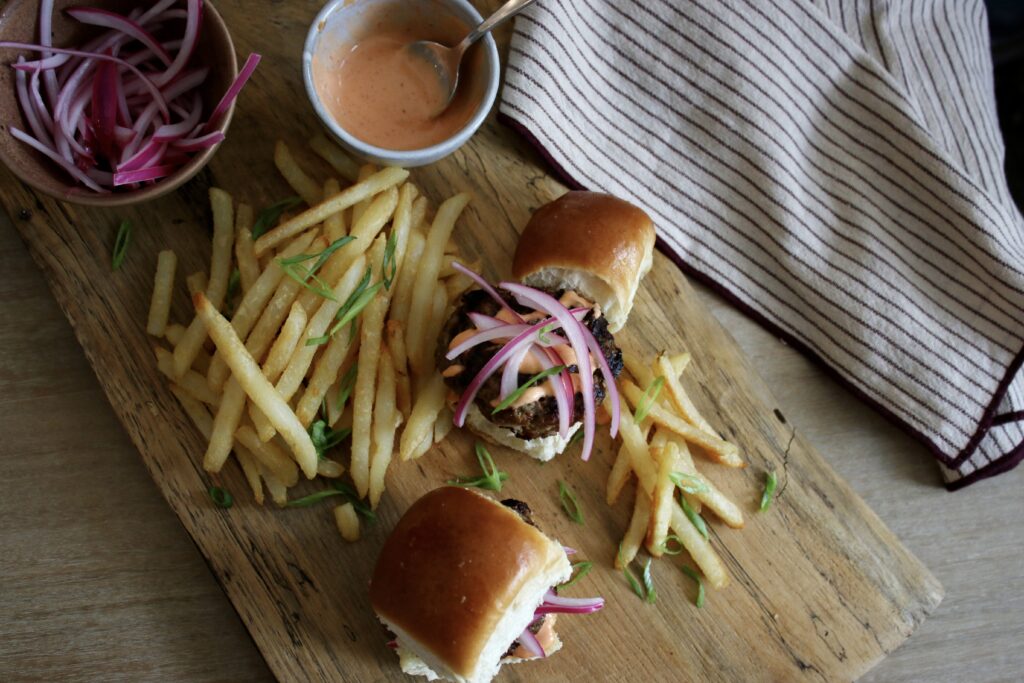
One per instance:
(333, 26)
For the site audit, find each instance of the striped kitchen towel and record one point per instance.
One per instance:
(835, 167)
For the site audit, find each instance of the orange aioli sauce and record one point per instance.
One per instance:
(380, 93)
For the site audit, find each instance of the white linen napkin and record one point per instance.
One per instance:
(834, 167)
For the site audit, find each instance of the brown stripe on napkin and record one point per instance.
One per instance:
(834, 168)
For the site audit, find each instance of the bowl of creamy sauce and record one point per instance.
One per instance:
(380, 102)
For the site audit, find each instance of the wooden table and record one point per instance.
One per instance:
(99, 580)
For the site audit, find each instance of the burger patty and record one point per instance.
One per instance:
(533, 420)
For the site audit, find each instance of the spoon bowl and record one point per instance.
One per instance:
(445, 61)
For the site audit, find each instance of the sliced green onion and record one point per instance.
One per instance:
(569, 502)
(648, 399)
(353, 306)
(652, 595)
(317, 286)
(542, 333)
(361, 508)
(688, 483)
(233, 283)
(628, 573)
(324, 438)
(388, 266)
(269, 216)
(348, 382)
(313, 498)
(769, 490)
(672, 538)
(579, 570)
(339, 489)
(692, 573)
(694, 517)
(521, 389)
(221, 498)
(121, 242)
(493, 477)
(321, 258)
(576, 436)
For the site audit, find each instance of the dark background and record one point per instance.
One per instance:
(1006, 23)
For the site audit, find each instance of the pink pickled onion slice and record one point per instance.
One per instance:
(568, 550)
(510, 375)
(562, 398)
(486, 286)
(104, 108)
(485, 322)
(528, 296)
(150, 173)
(504, 331)
(530, 642)
(234, 89)
(609, 379)
(393, 644)
(187, 46)
(202, 142)
(462, 408)
(56, 158)
(95, 16)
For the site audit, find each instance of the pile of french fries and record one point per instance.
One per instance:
(331, 329)
(657, 449)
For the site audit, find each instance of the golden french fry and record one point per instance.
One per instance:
(293, 375)
(220, 270)
(163, 287)
(622, 468)
(269, 455)
(717, 449)
(382, 180)
(335, 156)
(433, 331)
(334, 225)
(386, 420)
(278, 491)
(679, 362)
(424, 446)
(419, 211)
(637, 528)
(195, 410)
(192, 382)
(173, 333)
(365, 171)
(708, 494)
(332, 469)
(401, 228)
(366, 375)
(325, 372)
(225, 422)
(347, 521)
(396, 346)
(365, 230)
(264, 307)
(677, 395)
(637, 368)
(303, 185)
(402, 298)
(420, 426)
(196, 282)
(662, 498)
(443, 425)
(256, 386)
(248, 265)
(635, 441)
(252, 473)
(421, 310)
(277, 360)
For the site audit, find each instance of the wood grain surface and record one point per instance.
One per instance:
(822, 589)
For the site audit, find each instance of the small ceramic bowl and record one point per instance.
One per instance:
(333, 26)
(19, 22)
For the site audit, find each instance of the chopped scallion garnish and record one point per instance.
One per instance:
(628, 573)
(542, 333)
(324, 438)
(234, 281)
(321, 258)
(269, 216)
(692, 573)
(221, 498)
(688, 483)
(121, 242)
(303, 277)
(579, 570)
(769, 490)
(338, 489)
(353, 306)
(694, 517)
(389, 267)
(576, 436)
(348, 382)
(493, 477)
(678, 548)
(569, 503)
(521, 389)
(652, 595)
(648, 399)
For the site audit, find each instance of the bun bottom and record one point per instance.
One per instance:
(543, 449)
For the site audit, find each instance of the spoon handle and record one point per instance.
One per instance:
(506, 11)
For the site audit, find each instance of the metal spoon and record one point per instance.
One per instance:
(445, 60)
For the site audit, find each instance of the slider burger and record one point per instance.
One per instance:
(466, 584)
(528, 362)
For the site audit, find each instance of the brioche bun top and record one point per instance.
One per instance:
(596, 244)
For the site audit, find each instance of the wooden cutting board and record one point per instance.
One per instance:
(821, 589)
